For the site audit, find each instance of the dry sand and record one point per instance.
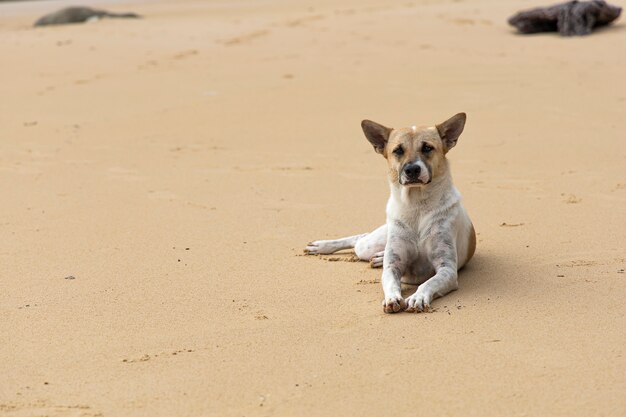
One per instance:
(176, 166)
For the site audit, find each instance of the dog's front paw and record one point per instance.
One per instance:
(394, 304)
(418, 302)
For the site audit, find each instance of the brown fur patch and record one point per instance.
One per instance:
(471, 246)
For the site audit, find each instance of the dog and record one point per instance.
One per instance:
(428, 235)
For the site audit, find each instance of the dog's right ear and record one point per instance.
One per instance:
(377, 134)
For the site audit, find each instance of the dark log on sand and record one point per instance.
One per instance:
(79, 15)
(574, 18)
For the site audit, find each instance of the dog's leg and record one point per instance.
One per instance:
(370, 247)
(398, 252)
(444, 281)
(442, 250)
(365, 246)
(325, 247)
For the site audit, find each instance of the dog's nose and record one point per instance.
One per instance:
(412, 170)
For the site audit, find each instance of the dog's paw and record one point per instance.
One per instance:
(394, 304)
(419, 302)
(377, 260)
(320, 247)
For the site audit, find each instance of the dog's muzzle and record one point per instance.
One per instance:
(414, 173)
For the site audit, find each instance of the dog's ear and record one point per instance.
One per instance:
(377, 134)
(451, 129)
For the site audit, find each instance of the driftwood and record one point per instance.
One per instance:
(574, 18)
(79, 15)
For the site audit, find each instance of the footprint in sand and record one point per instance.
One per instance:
(185, 54)
(89, 80)
(504, 224)
(246, 38)
(295, 168)
(165, 354)
(303, 20)
(571, 199)
(201, 206)
(43, 408)
(340, 258)
(577, 263)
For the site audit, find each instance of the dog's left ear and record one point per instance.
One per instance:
(451, 129)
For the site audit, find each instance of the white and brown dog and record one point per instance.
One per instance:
(428, 236)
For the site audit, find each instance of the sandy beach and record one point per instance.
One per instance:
(160, 178)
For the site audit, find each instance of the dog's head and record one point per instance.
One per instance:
(415, 155)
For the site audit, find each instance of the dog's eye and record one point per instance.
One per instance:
(399, 151)
(426, 148)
